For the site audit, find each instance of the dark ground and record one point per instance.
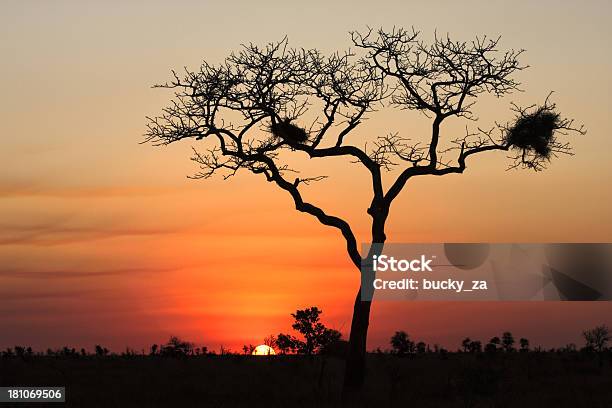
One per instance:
(429, 380)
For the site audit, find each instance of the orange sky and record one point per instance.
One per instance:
(103, 240)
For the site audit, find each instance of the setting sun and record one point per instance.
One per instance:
(263, 350)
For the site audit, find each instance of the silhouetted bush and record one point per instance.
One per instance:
(507, 341)
(101, 351)
(475, 346)
(524, 343)
(336, 348)
(401, 343)
(176, 348)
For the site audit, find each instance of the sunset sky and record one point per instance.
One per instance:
(105, 241)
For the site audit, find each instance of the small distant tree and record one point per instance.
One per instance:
(307, 323)
(154, 349)
(270, 341)
(401, 343)
(508, 342)
(597, 338)
(524, 343)
(466, 344)
(101, 351)
(248, 349)
(475, 346)
(316, 335)
(493, 345)
(176, 348)
(421, 347)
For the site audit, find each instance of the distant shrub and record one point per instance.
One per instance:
(101, 351)
(524, 343)
(507, 341)
(401, 343)
(175, 347)
(337, 348)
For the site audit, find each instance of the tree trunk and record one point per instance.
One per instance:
(355, 367)
(354, 372)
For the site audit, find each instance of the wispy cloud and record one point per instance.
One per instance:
(53, 295)
(58, 233)
(70, 274)
(81, 192)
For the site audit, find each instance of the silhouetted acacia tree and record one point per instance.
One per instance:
(262, 104)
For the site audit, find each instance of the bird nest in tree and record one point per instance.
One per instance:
(535, 132)
(288, 131)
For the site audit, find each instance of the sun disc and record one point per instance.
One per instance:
(263, 350)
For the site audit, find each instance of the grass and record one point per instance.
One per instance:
(428, 380)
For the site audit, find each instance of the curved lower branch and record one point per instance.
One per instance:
(324, 218)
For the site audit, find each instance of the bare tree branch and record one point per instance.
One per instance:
(252, 106)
